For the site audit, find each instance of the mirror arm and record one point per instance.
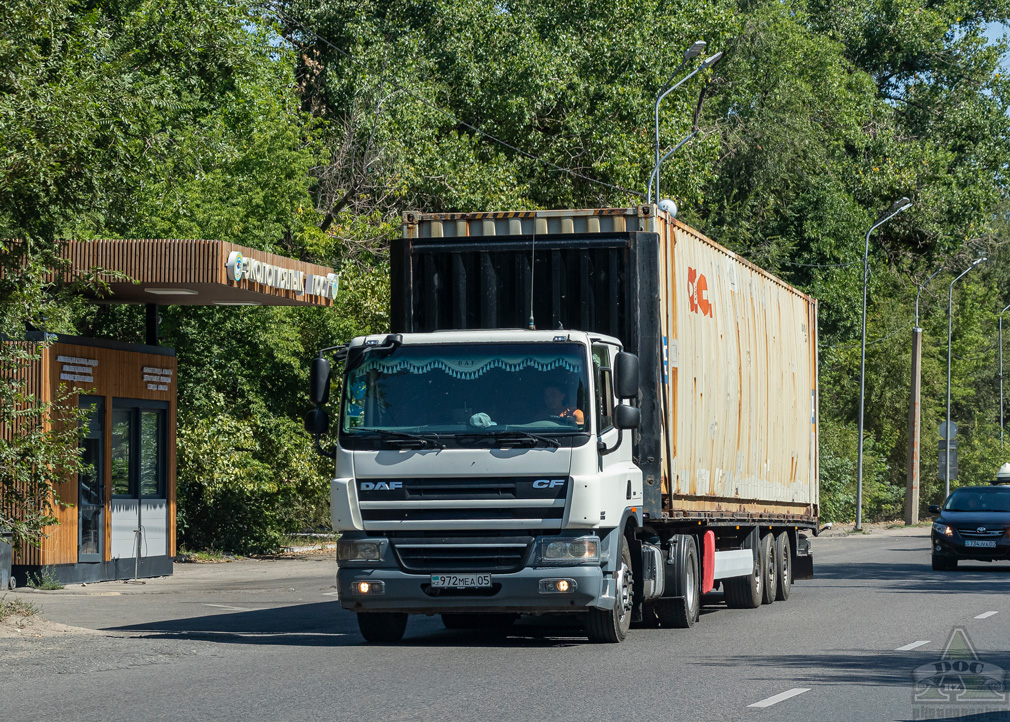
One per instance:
(601, 445)
(323, 452)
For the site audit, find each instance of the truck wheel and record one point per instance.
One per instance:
(783, 566)
(683, 612)
(745, 592)
(770, 567)
(612, 625)
(943, 564)
(382, 627)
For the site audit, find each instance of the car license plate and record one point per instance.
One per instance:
(979, 543)
(460, 581)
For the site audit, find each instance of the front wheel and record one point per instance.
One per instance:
(611, 625)
(943, 564)
(382, 627)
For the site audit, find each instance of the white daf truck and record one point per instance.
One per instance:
(618, 472)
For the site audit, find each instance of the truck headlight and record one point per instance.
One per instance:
(355, 550)
(584, 550)
(942, 529)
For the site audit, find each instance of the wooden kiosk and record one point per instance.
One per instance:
(117, 519)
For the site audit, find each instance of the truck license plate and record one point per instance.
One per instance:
(979, 543)
(460, 581)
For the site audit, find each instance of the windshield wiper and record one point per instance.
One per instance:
(514, 435)
(406, 436)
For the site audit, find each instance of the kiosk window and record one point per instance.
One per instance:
(138, 450)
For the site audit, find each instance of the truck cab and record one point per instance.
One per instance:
(487, 472)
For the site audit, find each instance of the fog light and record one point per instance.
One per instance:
(369, 588)
(557, 586)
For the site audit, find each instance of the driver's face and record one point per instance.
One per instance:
(553, 397)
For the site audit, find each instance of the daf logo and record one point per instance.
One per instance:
(381, 485)
(981, 530)
(548, 483)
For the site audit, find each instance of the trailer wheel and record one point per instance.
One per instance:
(611, 626)
(682, 612)
(770, 567)
(382, 627)
(783, 566)
(745, 592)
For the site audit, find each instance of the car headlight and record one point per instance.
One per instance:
(584, 550)
(355, 550)
(942, 529)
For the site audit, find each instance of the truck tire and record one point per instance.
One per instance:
(611, 626)
(770, 569)
(745, 592)
(464, 620)
(783, 566)
(682, 612)
(943, 564)
(382, 627)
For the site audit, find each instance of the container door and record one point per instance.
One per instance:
(91, 482)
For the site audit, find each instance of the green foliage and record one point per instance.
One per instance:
(15, 607)
(44, 579)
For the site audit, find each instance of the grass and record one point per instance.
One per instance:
(44, 579)
(305, 540)
(16, 608)
(203, 557)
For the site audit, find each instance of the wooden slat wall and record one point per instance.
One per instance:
(31, 376)
(183, 262)
(119, 374)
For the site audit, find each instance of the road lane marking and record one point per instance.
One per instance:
(986, 615)
(913, 645)
(781, 697)
(234, 609)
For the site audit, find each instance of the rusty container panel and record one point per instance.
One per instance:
(743, 397)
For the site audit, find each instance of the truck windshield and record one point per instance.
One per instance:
(469, 389)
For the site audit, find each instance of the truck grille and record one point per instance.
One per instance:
(462, 555)
(528, 504)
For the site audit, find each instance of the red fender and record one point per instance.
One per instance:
(707, 562)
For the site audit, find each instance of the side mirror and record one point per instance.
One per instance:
(317, 422)
(626, 372)
(627, 417)
(934, 508)
(319, 381)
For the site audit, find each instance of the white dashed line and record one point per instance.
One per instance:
(913, 645)
(986, 615)
(780, 697)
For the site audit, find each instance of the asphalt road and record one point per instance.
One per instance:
(266, 641)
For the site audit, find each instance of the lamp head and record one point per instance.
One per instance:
(979, 260)
(712, 60)
(694, 50)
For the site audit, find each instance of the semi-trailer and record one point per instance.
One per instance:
(599, 413)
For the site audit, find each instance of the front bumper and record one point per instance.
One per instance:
(517, 592)
(953, 547)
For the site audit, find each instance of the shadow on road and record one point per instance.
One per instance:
(324, 624)
(841, 667)
(968, 578)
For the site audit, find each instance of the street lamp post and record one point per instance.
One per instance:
(1001, 377)
(950, 328)
(912, 484)
(897, 207)
(689, 54)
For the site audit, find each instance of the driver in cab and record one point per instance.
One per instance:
(554, 402)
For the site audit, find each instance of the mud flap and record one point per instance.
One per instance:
(803, 559)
